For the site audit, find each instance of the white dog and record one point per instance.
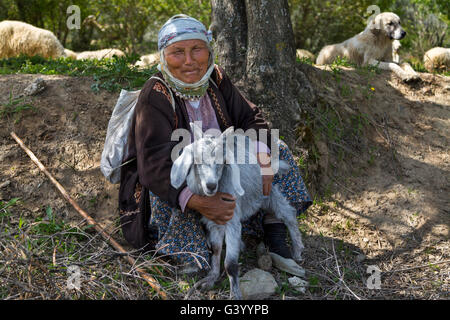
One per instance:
(373, 46)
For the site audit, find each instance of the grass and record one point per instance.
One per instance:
(418, 65)
(15, 107)
(36, 252)
(43, 247)
(110, 74)
(305, 60)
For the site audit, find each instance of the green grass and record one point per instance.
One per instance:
(342, 62)
(14, 107)
(4, 212)
(305, 60)
(418, 66)
(109, 74)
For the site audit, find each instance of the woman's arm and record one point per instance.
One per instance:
(155, 122)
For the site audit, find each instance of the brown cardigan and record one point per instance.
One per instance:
(150, 142)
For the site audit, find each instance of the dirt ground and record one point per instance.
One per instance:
(387, 203)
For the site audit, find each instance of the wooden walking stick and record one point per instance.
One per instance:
(151, 281)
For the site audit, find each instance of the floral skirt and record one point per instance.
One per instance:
(181, 235)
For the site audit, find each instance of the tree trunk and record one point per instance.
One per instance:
(229, 27)
(255, 46)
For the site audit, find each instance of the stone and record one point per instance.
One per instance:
(265, 262)
(36, 87)
(257, 284)
(298, 284)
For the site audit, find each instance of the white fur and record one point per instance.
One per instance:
(437, 59)
(244, 182)
(395, 48)
(302, 53)
(147, 60)
(70, 54)
(100, 54)
(18, 38)
(374, 46)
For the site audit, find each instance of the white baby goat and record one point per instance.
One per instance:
(244, 182)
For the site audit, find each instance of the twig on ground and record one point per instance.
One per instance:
(99, 228)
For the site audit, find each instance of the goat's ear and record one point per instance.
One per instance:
(222, 140)
(236, 179)
(226, 133)
(181, 166)
(196, 130)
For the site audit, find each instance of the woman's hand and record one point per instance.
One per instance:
(266, 172)
(218, 208)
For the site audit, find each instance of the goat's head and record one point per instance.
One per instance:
(202, 162)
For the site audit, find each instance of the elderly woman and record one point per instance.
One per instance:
(202, 92)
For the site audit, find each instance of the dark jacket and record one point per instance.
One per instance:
(150, 142)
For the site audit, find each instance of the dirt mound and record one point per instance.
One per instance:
(383, 162)
(387, 184)
(66, 131)
(398, 175)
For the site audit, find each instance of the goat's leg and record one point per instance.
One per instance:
(233, 242)
(215, 237)
(286, 213)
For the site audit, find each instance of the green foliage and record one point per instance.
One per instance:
(111, 74)
(319, 23)
(305, 60)
(426, 24)
(5, 205)
(47, 14)
(14, 106)
(130, 25)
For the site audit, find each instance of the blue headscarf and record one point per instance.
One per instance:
(182, 27)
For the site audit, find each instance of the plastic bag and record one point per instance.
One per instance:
(117, 135)
(115, 148)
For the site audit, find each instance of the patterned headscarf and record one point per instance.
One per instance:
(182, 27)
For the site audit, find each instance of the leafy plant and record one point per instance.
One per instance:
(15, 106)
(5, 205)
(111, 74)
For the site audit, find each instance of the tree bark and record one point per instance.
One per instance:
(229, 27)
(255, 46)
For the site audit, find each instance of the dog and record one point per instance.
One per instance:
(376, 46)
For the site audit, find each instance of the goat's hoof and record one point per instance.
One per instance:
(236, 296)
(205, 283)
(297, 254)
(297, 257)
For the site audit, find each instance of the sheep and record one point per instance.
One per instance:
(18, 38)
(305, 54)
(147, 60)
(100, 54)
(437, 59)
(243, 181)
(70, 54)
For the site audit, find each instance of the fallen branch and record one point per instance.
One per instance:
(150, 280)
(341, 276)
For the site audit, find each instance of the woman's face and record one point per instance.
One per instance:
(187, 60)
